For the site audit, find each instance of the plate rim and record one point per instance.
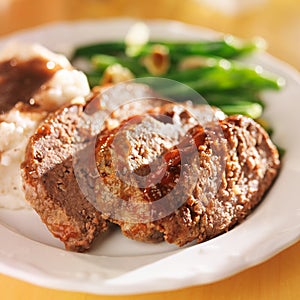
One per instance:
(111, 287)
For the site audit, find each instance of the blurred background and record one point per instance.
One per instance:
(278, 21)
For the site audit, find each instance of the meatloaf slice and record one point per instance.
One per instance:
(219, 185)
(50, 179)
(130, 159)
(50, 184)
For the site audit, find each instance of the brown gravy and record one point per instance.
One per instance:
(20, 80)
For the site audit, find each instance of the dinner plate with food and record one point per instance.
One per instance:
(143, 156)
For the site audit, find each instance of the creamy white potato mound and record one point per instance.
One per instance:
(63, 87)
(14, 132)
(16, 127)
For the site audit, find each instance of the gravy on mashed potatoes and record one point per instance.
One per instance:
(33, 82)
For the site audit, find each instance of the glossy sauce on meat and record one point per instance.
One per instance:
(20, 80)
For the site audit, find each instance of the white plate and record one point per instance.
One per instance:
(117, 265)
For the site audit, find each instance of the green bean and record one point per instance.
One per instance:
(231, 96)
(221, 76)
(94, 78)
(102, 61)
(218, 78)
(110, 48)
(227, 47)
(250, 109)
(202, 67)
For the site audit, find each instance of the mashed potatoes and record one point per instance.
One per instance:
(15, 132)
(18, 124)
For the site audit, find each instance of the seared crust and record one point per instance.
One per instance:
(233, 169)
(51, 187)
(251, 165)
(226, 174)
(50, 179)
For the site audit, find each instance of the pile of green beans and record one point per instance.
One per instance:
(231, 85)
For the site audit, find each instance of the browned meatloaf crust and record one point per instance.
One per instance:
(50, 184)
(49, 181)
(65, 138)
(201, 208)
(233, 171)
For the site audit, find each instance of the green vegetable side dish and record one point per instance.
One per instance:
(208, 67)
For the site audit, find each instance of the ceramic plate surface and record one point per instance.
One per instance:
(117, 265)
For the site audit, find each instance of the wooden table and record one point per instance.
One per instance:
(278, 21)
